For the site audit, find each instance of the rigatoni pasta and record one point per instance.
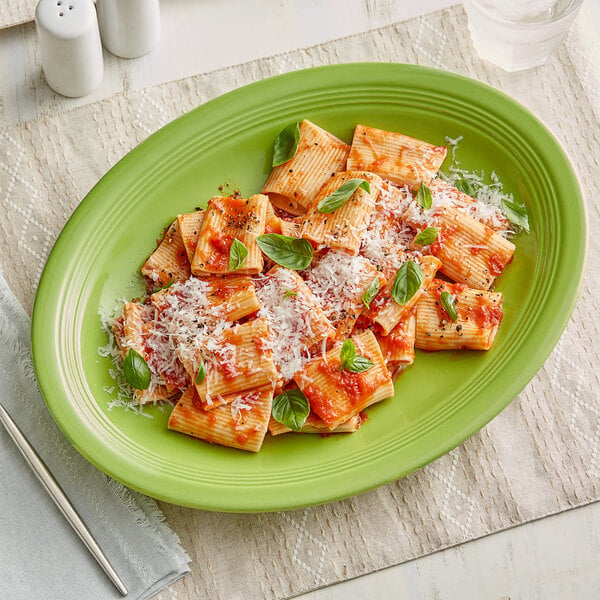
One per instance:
(337, 394)
(394, 156)
(241, 424)
(169, 262)
(474, 326)
(343, 228)
(188, 226)
(227, 221)
(292, 185)
(292, 310)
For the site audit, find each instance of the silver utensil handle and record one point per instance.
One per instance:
(59, 498)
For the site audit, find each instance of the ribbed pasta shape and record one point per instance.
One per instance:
(342, 229)
(398, 347)
(314, 424)
(336, 394)
(236, 360)
(240, 424)
(397, 157)
(479, 314)
(188, 226)
(227, 219)
(386, 312)
(293, 185)
(169, 262)
(225, 327)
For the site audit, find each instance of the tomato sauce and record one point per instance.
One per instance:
(225, 292)
(495, 264)
(177, 379)
(242, 438)
(230, 371)
(486, 315)
(350, 389)
(322, 404)
(398, 344)
(233, 337)
(435, 248)
(221, 245)
(273, 226)
(182, 259)
(263, 346)
(196, 402)
(362, 322)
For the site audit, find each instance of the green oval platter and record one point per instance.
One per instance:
(439, 402)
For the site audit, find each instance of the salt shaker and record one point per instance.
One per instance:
(69, 45)
(129, 28)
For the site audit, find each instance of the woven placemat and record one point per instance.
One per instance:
(15, 12)
(538, 457)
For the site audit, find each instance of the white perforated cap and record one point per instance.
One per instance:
(69, 45)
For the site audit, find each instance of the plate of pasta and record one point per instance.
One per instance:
(357, 267)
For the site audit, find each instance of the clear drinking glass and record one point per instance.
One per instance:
(519, 34)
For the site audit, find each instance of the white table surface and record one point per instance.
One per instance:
(556, 557)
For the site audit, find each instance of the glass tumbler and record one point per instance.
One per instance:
(519, 34)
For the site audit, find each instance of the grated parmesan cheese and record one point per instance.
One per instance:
(242, 403)
(337, 282)
(488, 207)
(387, 232)
(110, 350)
(289, 320)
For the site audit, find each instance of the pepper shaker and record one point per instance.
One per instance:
(69, 45)
(129, 28)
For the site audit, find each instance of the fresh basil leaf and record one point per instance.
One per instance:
(289, 252)
(424, 197)
(201, 375)
(407, 282)
(237, 255)
(352, 361)
(348, 351)
(286, 144)
(291, 409)
(342, 195)
(516, 214)
(358, 364)
(167, 285)
(427, 236)
(449, 304)
(371, 292)
(289, 293)
(136, 370)
(465, 186)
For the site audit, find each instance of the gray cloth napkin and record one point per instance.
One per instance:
(40, 555)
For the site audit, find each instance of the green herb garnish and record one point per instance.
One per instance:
(407, 282)
(237, 255)
(371, 292)
(351, 361)
(449, 304)
(465, 186)
(342, 195)
(286, 144)
(291, 408)
(516, 214)
(293, 253)
(427, 236)
(201, 374)
(424, 197)
(136, 370)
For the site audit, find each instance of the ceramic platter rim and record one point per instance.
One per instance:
(107, 238)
